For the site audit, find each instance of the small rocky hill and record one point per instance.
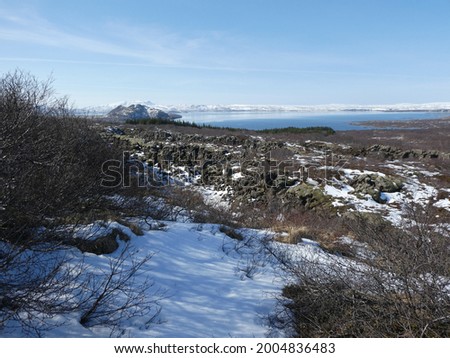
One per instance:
(139, 111)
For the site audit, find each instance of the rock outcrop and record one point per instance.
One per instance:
(374, 185)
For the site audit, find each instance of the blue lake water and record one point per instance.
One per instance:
(335, 120)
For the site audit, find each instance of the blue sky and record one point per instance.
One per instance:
(227, 52)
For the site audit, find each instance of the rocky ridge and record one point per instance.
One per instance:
(249, 169)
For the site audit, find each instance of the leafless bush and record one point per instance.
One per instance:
(190, 204)
(50, 160)
(50, 171)
(47, 283)
(117, 297)
(250, 250)
(34, 286)
(398, 287)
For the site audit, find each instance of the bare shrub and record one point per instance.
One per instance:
(34, 286)
(116, 297)
(190, 203)
(62, 283)
(295, 223)
(399, 286)
(250, 251)
(50, 171)
(50, 160)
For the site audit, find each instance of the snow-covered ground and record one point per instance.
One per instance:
(414, 190)
(393, 209)
(209, 294)
(207, 284)
(210, 285)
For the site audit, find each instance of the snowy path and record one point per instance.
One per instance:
(208, 298)
(204, 292)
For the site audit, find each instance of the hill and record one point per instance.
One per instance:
(139, 111)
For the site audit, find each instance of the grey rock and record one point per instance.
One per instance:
(374, 185)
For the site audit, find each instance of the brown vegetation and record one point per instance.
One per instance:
(398, 286)
(50, 171)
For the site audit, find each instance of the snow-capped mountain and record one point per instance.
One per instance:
(104, 109)
(139, 111)
(401, 107)
(442, 106)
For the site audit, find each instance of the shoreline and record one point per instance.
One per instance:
(405, 124)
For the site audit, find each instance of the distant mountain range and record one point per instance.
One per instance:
(402, 107)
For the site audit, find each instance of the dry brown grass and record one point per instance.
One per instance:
(424, 138)
(397, 292)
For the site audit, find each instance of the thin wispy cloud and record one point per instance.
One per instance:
(154, 46)
(181, 66)
(38, 31)
(229, 52)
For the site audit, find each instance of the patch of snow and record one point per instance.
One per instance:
(352, 173)
(208, 298)
(391, 198)
(200, 270)
(443, 203)
(306, 241)
(429, 174)
(421, 193)
(338, 193)
(216, 198)
(312, 181)
(237, 176)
